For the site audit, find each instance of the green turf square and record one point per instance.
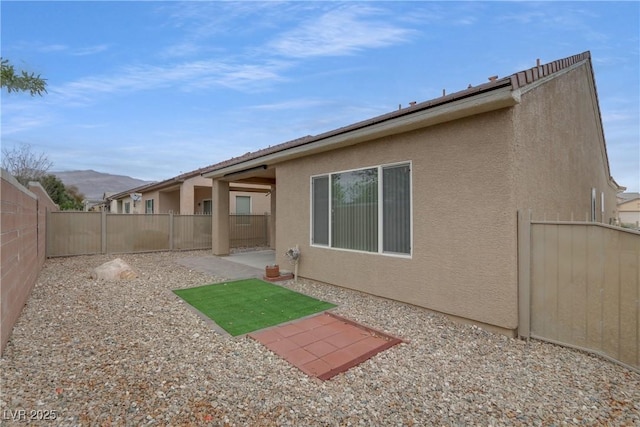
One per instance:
(245, 306)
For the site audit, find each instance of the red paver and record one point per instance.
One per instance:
(289, 330)
(325, 345)
(320, 348)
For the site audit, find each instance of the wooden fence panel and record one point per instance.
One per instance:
(127, 233)
(74, 233)
(585, 288)
(85, 233)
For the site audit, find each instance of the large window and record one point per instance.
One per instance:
(148, 207)
(364, 210)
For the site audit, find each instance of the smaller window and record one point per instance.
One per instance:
(206, 207)
(243, 205)
(243, 210)
(127, 207)
(148, 207)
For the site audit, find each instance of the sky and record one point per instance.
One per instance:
(154, 89)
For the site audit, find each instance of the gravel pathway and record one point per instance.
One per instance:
(131, 353)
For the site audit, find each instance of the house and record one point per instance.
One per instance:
(629, 210)
(369, 205)
(187, 194)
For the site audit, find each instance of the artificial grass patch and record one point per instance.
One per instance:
(245, 306)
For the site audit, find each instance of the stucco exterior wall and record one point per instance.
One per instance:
(464, 259)
(629, 213)
(191, 194)
(169, 202)
(152, 195)
(559, 150)
(201, 194)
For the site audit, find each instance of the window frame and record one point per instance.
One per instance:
(246, 217)
(146, 206)
(380, 208)
(204, 206)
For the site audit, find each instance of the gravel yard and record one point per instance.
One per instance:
(132, 353)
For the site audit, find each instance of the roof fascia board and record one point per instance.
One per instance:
(482, 103)
(530, 86)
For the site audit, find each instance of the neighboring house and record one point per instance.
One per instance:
(187, 194)
(629, 210)
(95, 205)
(92, 205)
(370, 205)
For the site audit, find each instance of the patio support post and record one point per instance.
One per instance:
(272, 223)
(220, 217)
(524, 274)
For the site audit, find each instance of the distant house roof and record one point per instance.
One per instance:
(158, 185)
(627, 197)
(514, 81)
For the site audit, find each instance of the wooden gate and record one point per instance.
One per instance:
(579, 286)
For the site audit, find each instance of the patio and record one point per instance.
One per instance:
(320, 345)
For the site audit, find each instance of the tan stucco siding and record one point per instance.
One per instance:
(190, 195)
(630, 206)
(201, 194)
(153, 195)
(169, 202)
(464, 245)
(559, 150)
(629, 213)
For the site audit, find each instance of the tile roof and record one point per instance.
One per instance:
(160, 184)
(515, 81)
(626, 197)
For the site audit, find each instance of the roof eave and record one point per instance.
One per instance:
(497, 99)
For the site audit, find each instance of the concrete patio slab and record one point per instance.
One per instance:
(237, 266)
(256, 259)
(242, 265)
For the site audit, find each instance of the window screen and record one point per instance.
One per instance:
(320, 213)
(396, 209)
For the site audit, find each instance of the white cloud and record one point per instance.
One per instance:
(52, 48)
(62, 48)
(21, 115)
(342, 31)
(187, 75)
(89, 50)
(293, 104)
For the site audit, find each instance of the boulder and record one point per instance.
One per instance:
(114, 270)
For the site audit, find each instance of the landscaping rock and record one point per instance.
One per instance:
(114, 270)
(132, 353)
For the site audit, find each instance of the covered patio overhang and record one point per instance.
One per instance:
(241, 181)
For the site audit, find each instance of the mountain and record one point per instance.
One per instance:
(94, 184)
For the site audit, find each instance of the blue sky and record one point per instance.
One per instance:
(153, 89)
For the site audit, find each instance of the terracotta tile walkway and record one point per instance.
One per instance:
(324, 345)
